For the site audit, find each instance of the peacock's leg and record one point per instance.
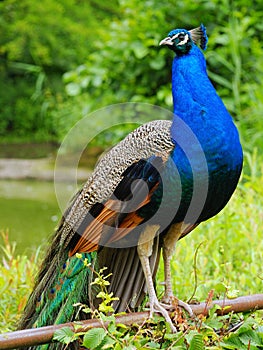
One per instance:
(145, 251)
(169, 244)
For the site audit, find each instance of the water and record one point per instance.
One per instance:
(29, 212)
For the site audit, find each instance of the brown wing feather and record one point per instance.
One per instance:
(91, 236)
(89, 240)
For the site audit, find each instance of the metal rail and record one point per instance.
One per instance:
(44, 335)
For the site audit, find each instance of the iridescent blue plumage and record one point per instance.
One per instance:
(198, 105)
(207, 154)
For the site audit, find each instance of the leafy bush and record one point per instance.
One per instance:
(127, 64)
(203, 334)
(109, 54)
(40, 42)
(212, 332)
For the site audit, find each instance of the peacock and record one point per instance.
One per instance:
(150, 190)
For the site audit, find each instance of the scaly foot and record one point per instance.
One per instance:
(170, 302)
(156, 306)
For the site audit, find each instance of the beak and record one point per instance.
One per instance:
(166, 41)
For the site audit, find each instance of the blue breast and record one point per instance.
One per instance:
(207, 155)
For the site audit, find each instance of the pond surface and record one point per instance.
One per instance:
(29, 212)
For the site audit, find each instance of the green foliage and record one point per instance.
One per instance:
(64, 335)
(195, 340)
(15, 112)
(94, 338)
(108, 53)
(56, 34)
(38, 43)
(248, 336)
(234, 333)
(127, 64)
(16, 278)
(101, 283)
(235, 69)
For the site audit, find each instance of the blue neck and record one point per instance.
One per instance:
(197, 104)
(195, 99)
(207, 154)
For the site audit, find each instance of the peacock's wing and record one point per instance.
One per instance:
(109, 188)
(103, 213)
(113, 221)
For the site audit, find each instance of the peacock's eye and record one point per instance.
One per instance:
(181, 36)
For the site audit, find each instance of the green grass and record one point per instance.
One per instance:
(228, 259)
(16, 280)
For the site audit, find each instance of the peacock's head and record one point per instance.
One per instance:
(181, 40)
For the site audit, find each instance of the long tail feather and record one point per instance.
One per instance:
(62, 282)
(55, 305)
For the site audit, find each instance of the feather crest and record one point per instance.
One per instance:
(199, 35)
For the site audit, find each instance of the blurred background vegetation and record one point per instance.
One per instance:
(63, 59)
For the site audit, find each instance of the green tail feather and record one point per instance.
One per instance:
(62, 282)
(55, 305)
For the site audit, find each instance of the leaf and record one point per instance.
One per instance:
(103, 307)
(152, 345)
(250, 337)
(220, 80)
(157, 63)
(94, 338)
(73, 89)
(260, 331)
(121, 325)
(214, 323)
(220, 288)
(64, 335)
(246, 326)
(197, 342)
(101, 295)
(232, 293)
(243, 336)
(108, 343)
(106, 318)
(233, 342)
(139, 49)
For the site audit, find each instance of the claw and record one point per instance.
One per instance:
(157, 307)
(186, 306)
(170, 302)
(169, 307)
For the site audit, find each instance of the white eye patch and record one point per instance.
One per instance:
(184, 41)
(186, 37)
